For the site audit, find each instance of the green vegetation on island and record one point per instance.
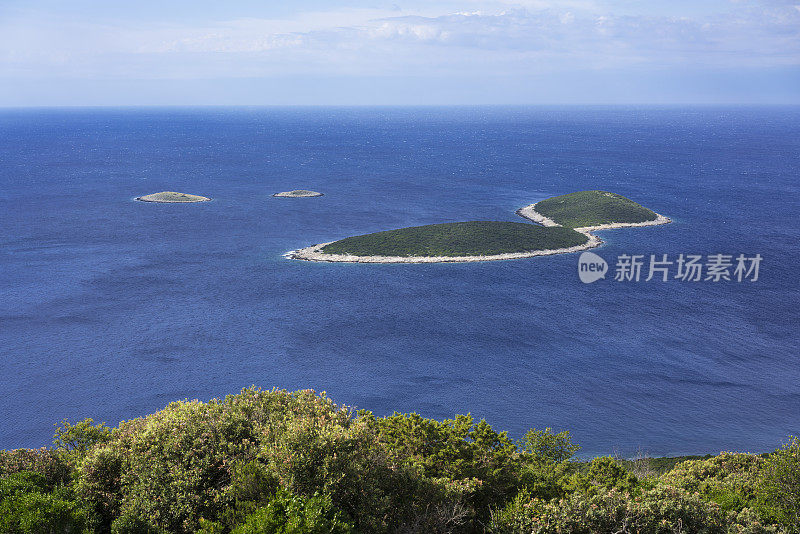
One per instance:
(281, 462)
(563, 221)
(473, 238)
(172, 196)
(593, 208)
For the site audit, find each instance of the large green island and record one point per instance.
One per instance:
(473, 238)
(565, 224)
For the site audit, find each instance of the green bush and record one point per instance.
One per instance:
(173, 467)
(601, 475)
(548, 447)
(332, 454)
(22, 482)
(734, 481)
(661, 510)
(129, 524)
(289, 514)
(99, 482)
(781, 484)
(177, 466)
(485, 462)
(47, 462)
(295, 462)
(727, 470)
(81, 436)
(547, 480)
(42, 513)
(455, 448)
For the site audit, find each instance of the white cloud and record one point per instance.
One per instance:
(497, 38)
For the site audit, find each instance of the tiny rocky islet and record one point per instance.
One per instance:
(172, 197)
(298, 193)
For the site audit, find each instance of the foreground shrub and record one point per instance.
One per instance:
(42, 513)
(660, 510)
(458, 450)
(173, 467)
(327, 452)
(21, 483)
(288, 514)
(601, 475)
(548, 481)
(130, 524)
(80, 437)
(738, 482)
(177, 466)
(731, 479)
(295, 462)
(47, 462)
(782, 484)
(548, 447)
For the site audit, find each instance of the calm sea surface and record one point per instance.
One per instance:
(111, 308)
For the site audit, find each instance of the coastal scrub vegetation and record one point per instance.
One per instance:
(593, 208)
(473, 238)
(295, 462)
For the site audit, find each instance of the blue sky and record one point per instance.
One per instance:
(182, 52)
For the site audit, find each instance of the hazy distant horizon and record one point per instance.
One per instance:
(555, 106)
(391, 52)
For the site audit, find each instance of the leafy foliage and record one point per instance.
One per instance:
(474, 238)
(549, 447)
(734, 481)
(602, 474)
(173, 467)
(592, 208)
(131, 524)
(291, 514)
(47, 462)
(21, 483)
(782, 483)
(81, 436)
(484, 462)
(295, 462)
(28, 504)
(663, 509)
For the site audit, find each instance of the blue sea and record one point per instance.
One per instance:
(112, 308)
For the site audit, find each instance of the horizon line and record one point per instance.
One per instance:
(388, 105)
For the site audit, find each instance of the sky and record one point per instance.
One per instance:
(397, 52)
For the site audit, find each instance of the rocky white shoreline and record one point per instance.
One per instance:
(314, 253)
(530, 213)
